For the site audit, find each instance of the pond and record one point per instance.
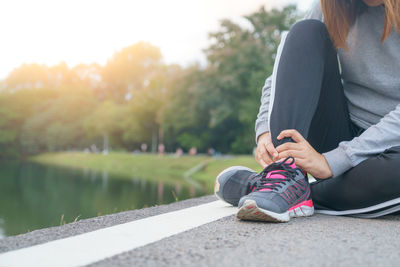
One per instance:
(34, 196)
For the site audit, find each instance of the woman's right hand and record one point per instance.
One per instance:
(265, 149)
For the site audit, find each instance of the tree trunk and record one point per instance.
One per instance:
(154, 141)
(105, 143)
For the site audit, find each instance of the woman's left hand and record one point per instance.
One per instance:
(304, 154)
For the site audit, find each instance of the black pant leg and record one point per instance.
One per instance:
(372, 182)
(308, 93)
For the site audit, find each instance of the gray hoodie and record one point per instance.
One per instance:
(371, 83)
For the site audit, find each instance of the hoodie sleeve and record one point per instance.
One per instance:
(373, 141)
(262, 124)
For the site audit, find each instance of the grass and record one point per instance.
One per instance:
(207, 175)
(152, 167)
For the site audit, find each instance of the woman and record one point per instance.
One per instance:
(337, 121)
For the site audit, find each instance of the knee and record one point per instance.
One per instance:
(309, 30)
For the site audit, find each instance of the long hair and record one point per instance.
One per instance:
(339, 16)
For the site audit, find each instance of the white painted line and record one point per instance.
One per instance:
(100, 244)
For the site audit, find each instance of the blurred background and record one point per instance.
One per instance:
(108, 106)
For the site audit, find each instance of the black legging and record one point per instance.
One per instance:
(309, 97)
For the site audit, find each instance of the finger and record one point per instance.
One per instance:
(267, 158)
(297, 154)
(288, 146)
(271, 150)
(262, 156)
(261, 162)
(301, 163)
(294, 134)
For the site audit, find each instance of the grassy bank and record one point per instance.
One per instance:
(148, 166)
(207, 175)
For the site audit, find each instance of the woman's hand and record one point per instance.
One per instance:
(304, 154)
(265, 149)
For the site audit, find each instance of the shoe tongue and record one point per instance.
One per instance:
(277, 173)
(273, 175)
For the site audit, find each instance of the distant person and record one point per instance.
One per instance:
(179, 152)
(161, 149)
(193, 151)
(143, 147)
(339, 123)
(93, 148)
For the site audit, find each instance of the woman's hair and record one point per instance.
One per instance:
(339, 16)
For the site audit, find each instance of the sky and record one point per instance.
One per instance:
(87, 31)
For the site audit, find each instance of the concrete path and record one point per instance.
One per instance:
(316, 241)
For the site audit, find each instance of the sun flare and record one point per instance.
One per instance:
(49, 32)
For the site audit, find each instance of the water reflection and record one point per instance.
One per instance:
(33, 196)
(2, 234)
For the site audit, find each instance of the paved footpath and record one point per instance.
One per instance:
(205, 232)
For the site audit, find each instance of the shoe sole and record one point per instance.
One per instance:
(251, 212)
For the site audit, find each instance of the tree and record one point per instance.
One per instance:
(56, 120)
(129, 69)
(184, 120)
(105, 122)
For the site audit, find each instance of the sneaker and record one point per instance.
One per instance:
(282, 193)
(235, 182)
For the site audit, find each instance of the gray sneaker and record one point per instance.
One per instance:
(282, 192)
(235, 182)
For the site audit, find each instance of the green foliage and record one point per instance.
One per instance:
(131, 69)
(135, 98)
